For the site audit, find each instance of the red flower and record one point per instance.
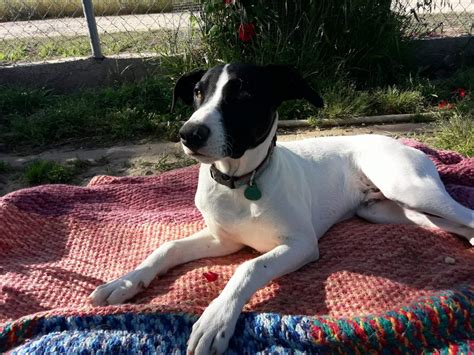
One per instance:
(210, 276)
(461, 92)
(444, 104)
(229, 2)
(246, 31)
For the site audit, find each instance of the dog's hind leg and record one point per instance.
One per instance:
(390, 212)
(408, 177)
(197, 246)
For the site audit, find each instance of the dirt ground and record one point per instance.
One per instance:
(155, 157)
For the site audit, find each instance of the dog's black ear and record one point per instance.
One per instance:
(288, 84)
(184, 87)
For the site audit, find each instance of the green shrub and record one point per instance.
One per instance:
(47, 172)
(393, 100)
(323, 37)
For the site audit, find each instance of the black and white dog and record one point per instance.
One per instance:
(279, 198)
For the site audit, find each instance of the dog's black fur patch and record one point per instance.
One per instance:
(249, 99)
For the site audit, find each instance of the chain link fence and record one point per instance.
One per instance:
(436, 18)
(37, 30)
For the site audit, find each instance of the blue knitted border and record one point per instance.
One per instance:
(132, 333)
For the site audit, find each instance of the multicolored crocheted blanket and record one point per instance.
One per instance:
(381, 288)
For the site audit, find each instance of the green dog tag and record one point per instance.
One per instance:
(252, 192)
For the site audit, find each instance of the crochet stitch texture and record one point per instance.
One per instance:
(384, 288)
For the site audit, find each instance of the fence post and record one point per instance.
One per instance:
(91, 24)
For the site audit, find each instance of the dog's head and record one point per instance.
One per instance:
(235, 107)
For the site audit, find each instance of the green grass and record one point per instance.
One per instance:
(454, 127)
(47, 172)
(17, 10)
(343, 100)
(42, 48)
(50, 172)
(456, 133)
(32, 119)
(39, 118)
(346, 101)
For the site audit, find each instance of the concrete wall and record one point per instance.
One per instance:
(74, 74)
(438, 57)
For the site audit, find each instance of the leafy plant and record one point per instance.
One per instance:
(322, 38)
(47, 172)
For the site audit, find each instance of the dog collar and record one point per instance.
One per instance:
(233, 182)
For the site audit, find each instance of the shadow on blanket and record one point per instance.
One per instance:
(59, 242)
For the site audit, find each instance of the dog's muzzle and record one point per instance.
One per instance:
(194, 135)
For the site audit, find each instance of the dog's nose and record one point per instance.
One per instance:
(194, 135)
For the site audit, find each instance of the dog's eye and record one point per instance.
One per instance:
(197, 93)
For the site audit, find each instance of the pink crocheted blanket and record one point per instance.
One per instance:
(58, 242)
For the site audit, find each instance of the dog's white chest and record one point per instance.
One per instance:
(230, 216)
(257, 234)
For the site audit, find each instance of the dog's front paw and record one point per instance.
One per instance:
(119, 290)
(212, 332)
